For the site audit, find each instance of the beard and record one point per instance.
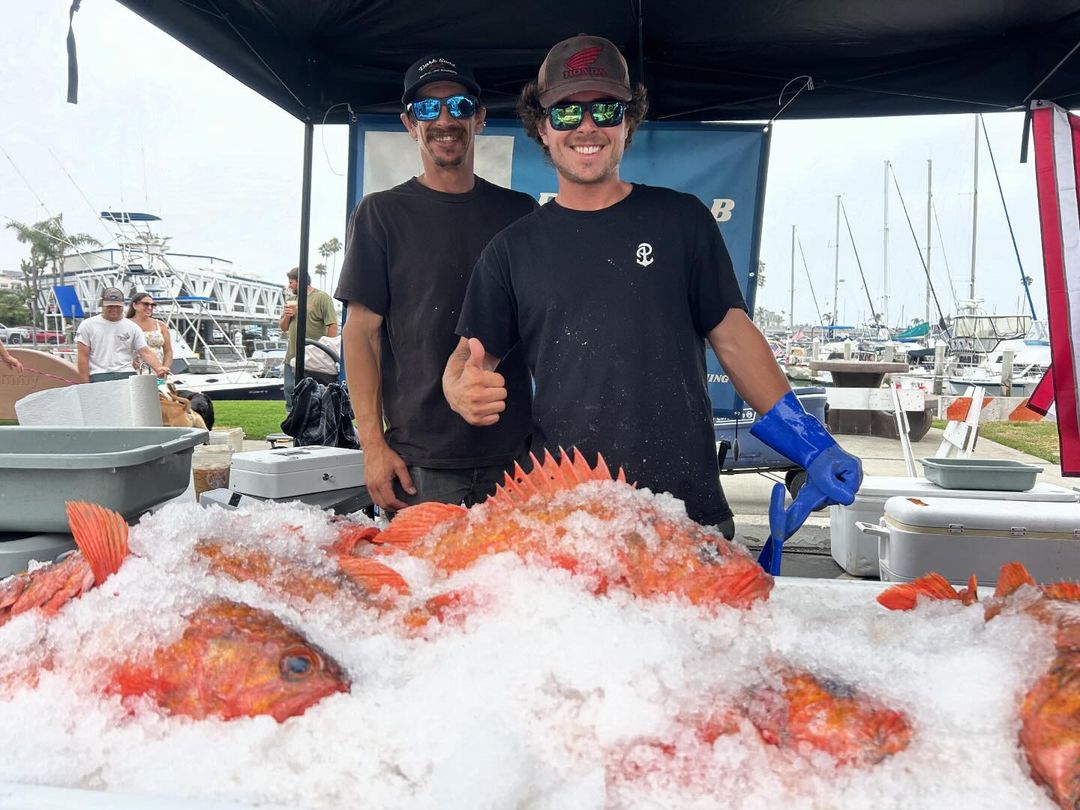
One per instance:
(443, 162)
(563, 160)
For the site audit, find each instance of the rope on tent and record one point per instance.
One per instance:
(255, 53)
(807, 85)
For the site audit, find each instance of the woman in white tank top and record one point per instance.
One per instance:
(141, 312)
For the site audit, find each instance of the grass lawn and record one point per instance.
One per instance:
(1040, 439)
(256, 418)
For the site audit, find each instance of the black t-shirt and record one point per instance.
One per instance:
(408, 257)
(611, 308)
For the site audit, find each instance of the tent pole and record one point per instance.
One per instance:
(305, 234)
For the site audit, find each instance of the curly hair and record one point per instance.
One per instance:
(531, 112)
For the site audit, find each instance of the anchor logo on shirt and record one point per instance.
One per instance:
(644, 251)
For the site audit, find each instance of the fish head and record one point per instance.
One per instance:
(1050, 729)
(234, 660)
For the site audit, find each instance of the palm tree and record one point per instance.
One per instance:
(48, 242)
(329, 249)
(320, 270)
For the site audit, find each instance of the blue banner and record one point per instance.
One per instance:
(723, 165)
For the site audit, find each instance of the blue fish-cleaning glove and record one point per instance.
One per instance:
(788, 429)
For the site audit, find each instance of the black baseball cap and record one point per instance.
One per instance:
(437, 68)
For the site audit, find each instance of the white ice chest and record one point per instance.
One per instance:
(957, 537)
(291, 471)
(857, 553)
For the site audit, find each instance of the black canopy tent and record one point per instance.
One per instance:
(322, 60)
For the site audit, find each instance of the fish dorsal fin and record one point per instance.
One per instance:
(906, 596)
(1064, 591)
(549, 477)
(1012, 577)
(101, 535)
(415, 522)
(372, 575)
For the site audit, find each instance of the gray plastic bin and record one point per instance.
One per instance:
(129, 470)
(981, 473)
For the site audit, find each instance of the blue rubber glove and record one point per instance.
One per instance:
(785, 522)
(788, 429)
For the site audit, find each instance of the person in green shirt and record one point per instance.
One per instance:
(321, 322)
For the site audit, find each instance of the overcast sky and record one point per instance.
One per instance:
(159, 129)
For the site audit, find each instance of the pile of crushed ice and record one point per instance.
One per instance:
(534, 697)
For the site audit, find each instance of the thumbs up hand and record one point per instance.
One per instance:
(471, 386)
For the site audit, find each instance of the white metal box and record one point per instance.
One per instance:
(291, 471)
(958, 537)
(857, 553)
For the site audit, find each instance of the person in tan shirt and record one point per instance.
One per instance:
(321, 322)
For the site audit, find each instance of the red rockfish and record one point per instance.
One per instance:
(1050, 712)
(630, 539)
(231, 661)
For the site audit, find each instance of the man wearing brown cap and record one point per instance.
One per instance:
(107, 343)
(612, 289)
(408, 256)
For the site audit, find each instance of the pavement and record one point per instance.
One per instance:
(807, 553)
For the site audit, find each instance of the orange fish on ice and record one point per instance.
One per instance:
(633, 543)
(797, 712)
(231, 661)
(1050, 711)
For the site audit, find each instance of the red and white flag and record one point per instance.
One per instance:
(1057, 163)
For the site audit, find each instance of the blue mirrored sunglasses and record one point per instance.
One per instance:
(428, 109)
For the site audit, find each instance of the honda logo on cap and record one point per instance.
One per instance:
(581, 63)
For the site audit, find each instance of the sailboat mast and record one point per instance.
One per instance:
(791, 307)
(885, 254)
(836, 265)
(974, 210)
(929, 219)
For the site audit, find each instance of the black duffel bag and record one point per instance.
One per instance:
(321, 415)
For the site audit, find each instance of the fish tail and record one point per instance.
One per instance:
(372, 575)
(1013, 576)
(414, 522)
(101, 535)
(906, 595)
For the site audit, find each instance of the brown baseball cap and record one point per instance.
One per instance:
(583, 63)
(112, 297)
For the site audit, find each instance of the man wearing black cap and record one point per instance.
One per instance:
(408, 256)
(107, 343)
(612, 289)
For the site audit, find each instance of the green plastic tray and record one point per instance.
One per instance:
(128, 470)
(981, 473)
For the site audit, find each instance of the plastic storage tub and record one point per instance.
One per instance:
(981, 473)
(957, 537)
(857, 553)
(128, 470)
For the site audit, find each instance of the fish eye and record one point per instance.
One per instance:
(298, 664)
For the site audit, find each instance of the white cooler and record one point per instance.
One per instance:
(857, 553)
(291, 471)
(957, 537)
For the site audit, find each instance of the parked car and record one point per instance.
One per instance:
(14, 334)
(45, 336)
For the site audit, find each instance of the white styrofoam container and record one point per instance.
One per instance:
(957, 537)
(289, 471)
(857, 553)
